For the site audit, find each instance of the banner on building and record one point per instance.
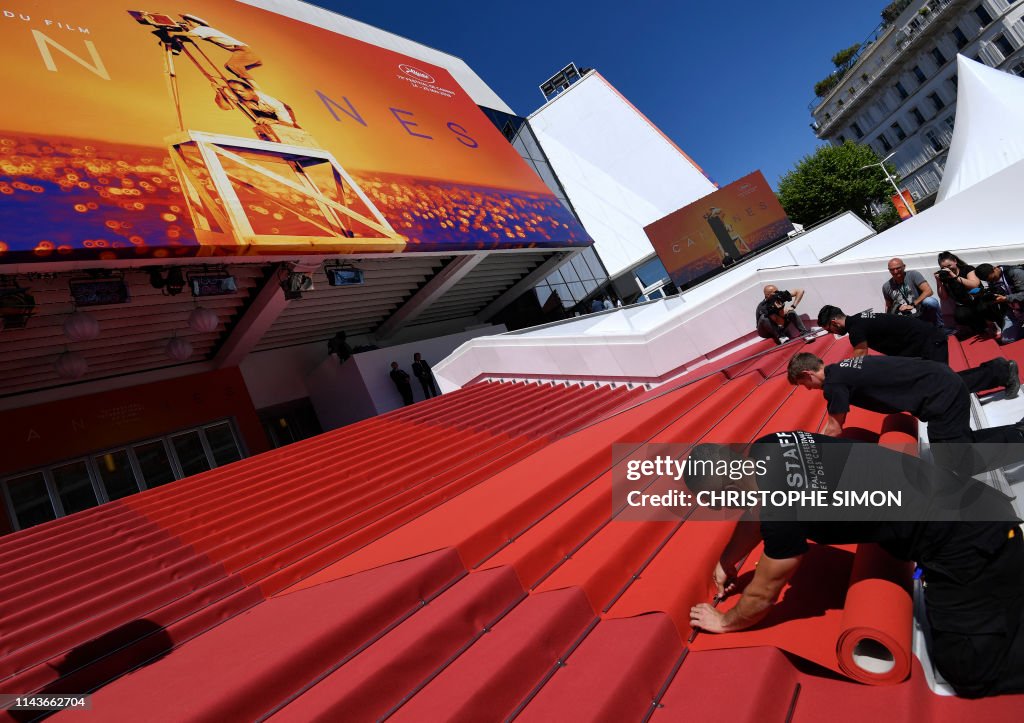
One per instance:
(719, 229)
(217, 128)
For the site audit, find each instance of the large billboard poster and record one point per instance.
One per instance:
(733, 221)
(216, 128)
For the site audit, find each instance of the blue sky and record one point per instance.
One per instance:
(728, 82)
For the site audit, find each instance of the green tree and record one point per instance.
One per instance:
(844, 58)
(830, 181)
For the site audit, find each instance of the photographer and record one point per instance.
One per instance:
(1006, 284)
(958, 282)
(908, 294)
(776, 316)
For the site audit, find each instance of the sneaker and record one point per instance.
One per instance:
(809, 338)
(783, 339)
(1012, 381)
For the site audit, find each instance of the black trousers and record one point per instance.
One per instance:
(969, 452)
(992, 373)
(768, 329)
(978, 624)
(429, 387)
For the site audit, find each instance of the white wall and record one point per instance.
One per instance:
(463, 74)
(620, 172)
(361, 387)
(279, 375)
(647, 342)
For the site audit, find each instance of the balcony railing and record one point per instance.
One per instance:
(906, 37)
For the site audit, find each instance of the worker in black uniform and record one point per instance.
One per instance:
(907, 336)
(930, 391)
(973, 564)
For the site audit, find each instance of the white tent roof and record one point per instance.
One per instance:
(989, 131)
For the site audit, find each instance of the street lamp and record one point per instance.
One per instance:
(893, 182)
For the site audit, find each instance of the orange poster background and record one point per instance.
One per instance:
(135, 106)
(686, 242)
(435, 166)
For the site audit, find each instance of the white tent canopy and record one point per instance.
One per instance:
(989, 131)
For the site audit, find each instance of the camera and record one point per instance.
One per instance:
(161, 21)
(780, 298)
(912, 311)
(945, 273)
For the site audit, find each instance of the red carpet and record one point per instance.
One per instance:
(459, 559)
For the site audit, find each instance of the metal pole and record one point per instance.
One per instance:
(898, 191)
(173, 79)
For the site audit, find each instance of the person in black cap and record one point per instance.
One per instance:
(909, 337)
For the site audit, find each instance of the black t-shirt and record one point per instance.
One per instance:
(918, 530)
(888, 384)
(960, 293)
(891, 334)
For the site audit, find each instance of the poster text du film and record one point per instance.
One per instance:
(405, 118)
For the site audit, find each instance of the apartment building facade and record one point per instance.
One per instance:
(899, 93)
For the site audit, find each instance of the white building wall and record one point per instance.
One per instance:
(620, 172)
(649, 342)
(361, 387)
(652, 342)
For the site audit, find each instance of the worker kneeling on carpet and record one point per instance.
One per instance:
(962, 533)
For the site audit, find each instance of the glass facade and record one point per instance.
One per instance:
(76, 485)
(577, 281)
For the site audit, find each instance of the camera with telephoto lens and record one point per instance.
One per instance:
(912, 311)
(780, 298)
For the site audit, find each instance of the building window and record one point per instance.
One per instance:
(917, 116)
(940, 59)
(959, 38)
(954, 80)
(983, 15)
(842, 139)
(901, 91)
(1004, 45)
(933, 141)
(950, 121)
(77, 485)
(1018, 69)
(856, 130)
(936, 101)
(898, 130)
(886, 145)
(919, 74)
